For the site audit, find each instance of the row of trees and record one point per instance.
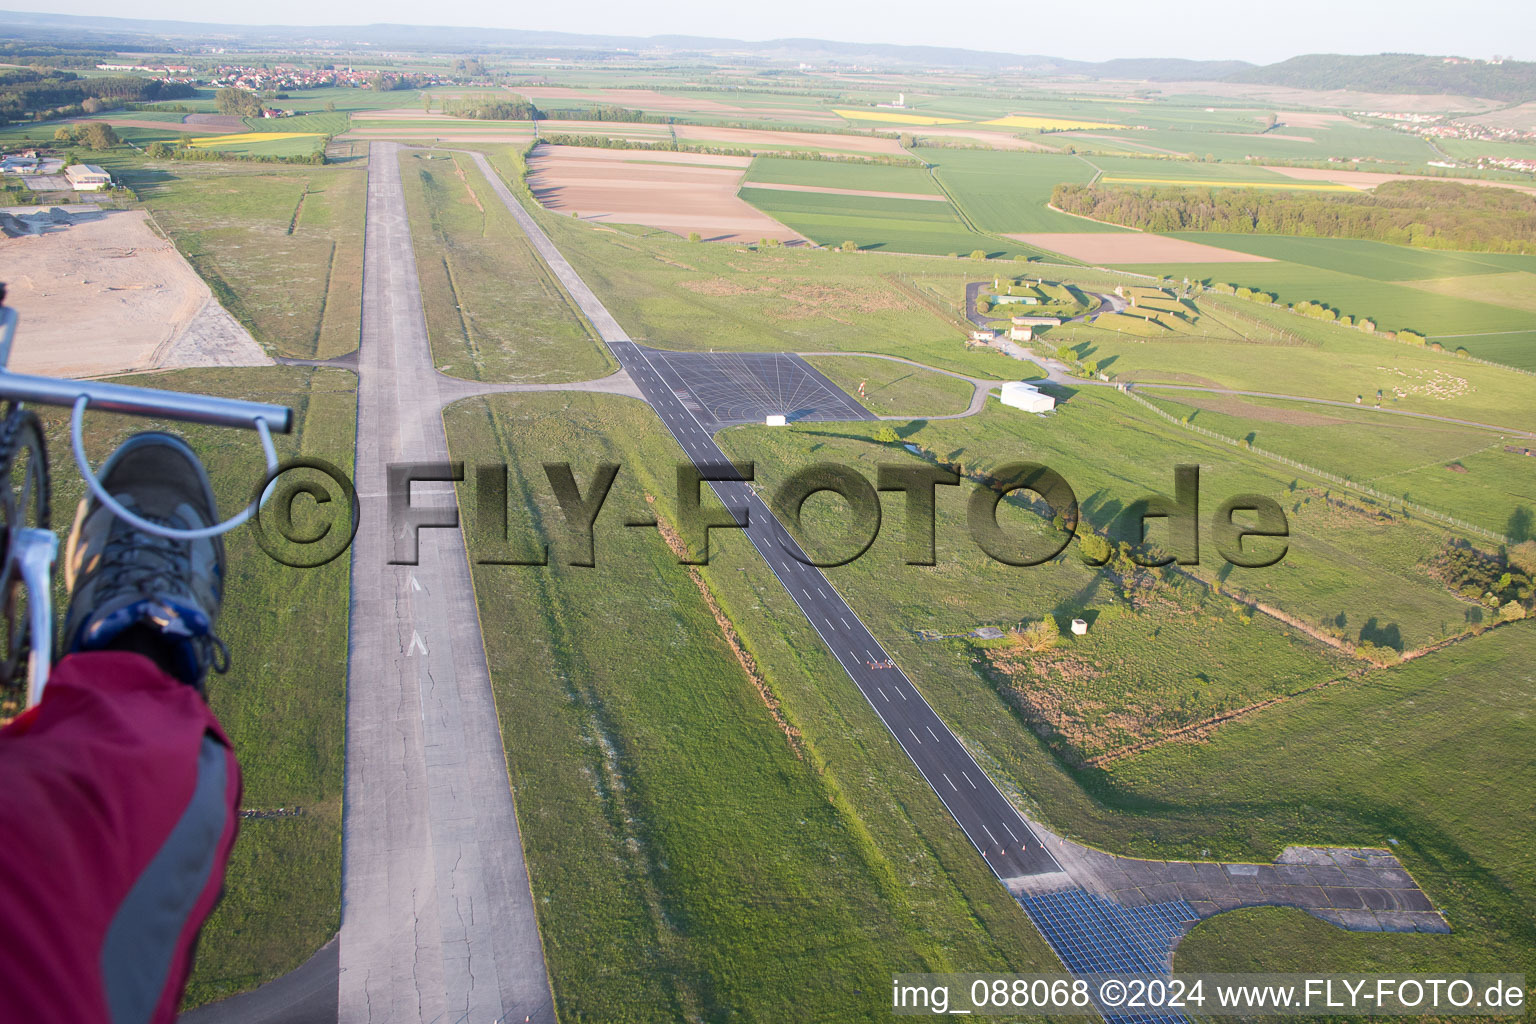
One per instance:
(1430, 214)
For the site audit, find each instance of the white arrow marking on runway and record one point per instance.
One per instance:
(415, 645)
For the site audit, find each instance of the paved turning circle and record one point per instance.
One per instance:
(726, 388)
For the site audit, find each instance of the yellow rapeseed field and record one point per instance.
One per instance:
(1110, 179)
(1050, 124)
(249, 137)
(895, 117)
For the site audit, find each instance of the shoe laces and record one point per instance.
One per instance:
(134, 559)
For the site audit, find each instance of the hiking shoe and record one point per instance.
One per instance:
(132, 590)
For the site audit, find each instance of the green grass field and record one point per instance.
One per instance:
(688, 858)
(898, 225)
(824, 174)
(1008, 192)
(895, 389)
(1374, 280)
(282, 702)
(494, 312)
(1125, 682)
(1464, 472)
(281, 247)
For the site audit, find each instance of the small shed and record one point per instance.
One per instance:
(1079, 627)
(1023, 395)
(775, 419)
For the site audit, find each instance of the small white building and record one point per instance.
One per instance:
(1079, 627)
(1022, 333)
(775, 419)
(87, 177)
(1023, 395)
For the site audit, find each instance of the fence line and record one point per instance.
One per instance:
(1343, 481)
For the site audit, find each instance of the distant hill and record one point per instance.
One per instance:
(1511, 81)
(129, 33)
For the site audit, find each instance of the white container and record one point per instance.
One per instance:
(1022, 395)
(776, 420)
(1079, 627)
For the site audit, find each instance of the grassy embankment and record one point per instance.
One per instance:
(494, 311)
(283, 700)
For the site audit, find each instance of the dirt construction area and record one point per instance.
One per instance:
(677, 192)
(1101, 247)
(101, 293)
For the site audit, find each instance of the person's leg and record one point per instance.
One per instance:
(119, 793)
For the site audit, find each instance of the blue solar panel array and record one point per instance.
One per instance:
(1095, 935)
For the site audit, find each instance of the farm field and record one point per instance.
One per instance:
(901, 225)
(493, 310)
(679, 192)
(895, 389)
(1105, 247)
(1008, 192)
(281, 246)
(871, 177)
(262, 143)
(837, 865)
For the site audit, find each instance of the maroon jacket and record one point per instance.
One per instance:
(119, 801)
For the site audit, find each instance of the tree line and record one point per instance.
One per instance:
(1429, 214)
(43, 94)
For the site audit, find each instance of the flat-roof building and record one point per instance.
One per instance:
(1023, 395)
(87, 177)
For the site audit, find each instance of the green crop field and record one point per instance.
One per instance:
(1008, 192)
(677, 837)
(895, 389)
(494, 312)
(900, 225)
(281, 247)
(824, 174)
(1378, 261)
(282, 702)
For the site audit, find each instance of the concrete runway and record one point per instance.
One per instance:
(437, 919)
(998, 832)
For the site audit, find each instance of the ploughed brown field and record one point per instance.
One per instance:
(1103, 247)
(677, 192)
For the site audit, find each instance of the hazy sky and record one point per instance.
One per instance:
(1262, 31)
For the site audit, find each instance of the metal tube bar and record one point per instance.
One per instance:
(136, 401)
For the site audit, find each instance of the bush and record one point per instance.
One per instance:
(1094, 549)
(158, 151)
(887, 434)
(978, 254)
(983, 307)
(694, 236)
(1036, 637)
(849, 246)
